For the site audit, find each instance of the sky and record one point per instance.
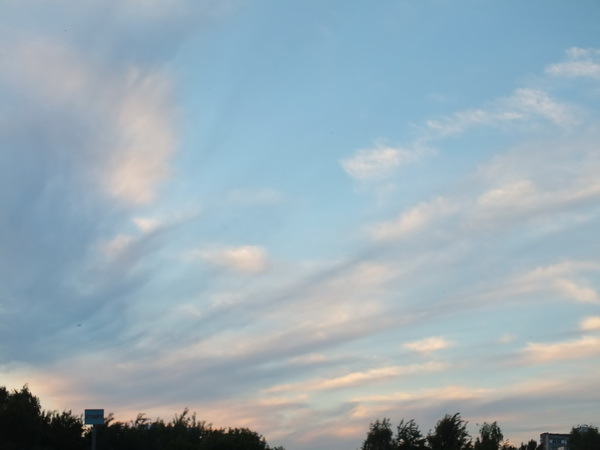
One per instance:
(299, 217)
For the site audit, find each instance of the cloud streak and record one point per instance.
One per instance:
(377, 163)
(249, 259)
(125, 112)
(581, 62)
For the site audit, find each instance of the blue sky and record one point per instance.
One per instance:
(302, 216)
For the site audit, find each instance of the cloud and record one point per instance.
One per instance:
(563, 279)
(461, 121)
(357, 378)
(506, 338)
(117, 245)
(584, 347)
(125, 112)
(428, 396)
(311, 315)
(377, 163)
(580, 63)
(146, 135)
(537, 103)
(147, 224)
(508, 195)
(577, 291)
(427, 345)
(524, 106)
(249, 259)
(542, 182)
(590, 323)
(523, 199)
(88, 128)
(414, 219)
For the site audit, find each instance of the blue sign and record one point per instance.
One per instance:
(94, 417)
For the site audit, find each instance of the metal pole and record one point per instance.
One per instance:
(93, 437)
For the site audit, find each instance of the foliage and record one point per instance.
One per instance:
(62, 431)
(490, 437)
(408, 436)
(25, 426)
(21, 421)
(379, 436)
(450, 434)
(584, 438)
(531, 445)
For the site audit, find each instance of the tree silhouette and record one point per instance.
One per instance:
(584, 438)
(379, 436)
(62, 431)
(450, 434)
(408, 436)
(490, 437)
(21, 421)
(25, 426)
(531, 445)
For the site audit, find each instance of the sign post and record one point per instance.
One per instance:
(94, 417)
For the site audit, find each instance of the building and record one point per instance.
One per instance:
(554, 441)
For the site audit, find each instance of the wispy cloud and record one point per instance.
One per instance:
(563, 278)
(581, 62)
(534, 103)
(428, 345)
(524, 106)
(427, 396)
(251, 259)
(377, 163)
(590, 323)
(117, 245)
(357, 378)
(126, 112)
(584, 347)
(414, 219)
(461, 121)
(147, 224)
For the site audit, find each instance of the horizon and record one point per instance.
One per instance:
(99, 416)
(299, 217)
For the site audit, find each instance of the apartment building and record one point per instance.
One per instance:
(554, 441)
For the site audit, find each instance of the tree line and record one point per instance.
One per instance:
(450, 433)
(24, 425)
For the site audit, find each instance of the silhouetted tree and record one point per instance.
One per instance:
(62, 431)
(450, 434)
(234, 439)
(24, 426)
(21, 421)
(531, 445)
(408, 436)
(584, 438)
(490, 437)
(379, 436)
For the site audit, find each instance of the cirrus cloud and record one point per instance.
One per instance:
(125, 113)
(546, 353)
(581, 62)
(377, 163)
(427, 345)
(590, 323)
(250, 259)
